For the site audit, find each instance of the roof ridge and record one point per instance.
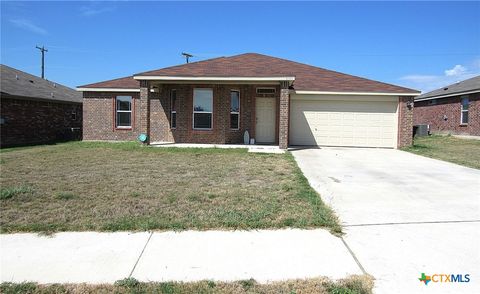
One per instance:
(180, 65)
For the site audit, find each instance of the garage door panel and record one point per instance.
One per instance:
(343, 123)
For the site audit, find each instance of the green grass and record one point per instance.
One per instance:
(85, 186)
(9, 192)
(448, 148)
(351, 285)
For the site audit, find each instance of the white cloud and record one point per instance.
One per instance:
(457, 70)
(28, 25)
(94, 9)
(450, 76)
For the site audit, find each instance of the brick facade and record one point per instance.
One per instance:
(405, 121)
(99, 114)
(443, 115)
(99, 117)
(36, 121)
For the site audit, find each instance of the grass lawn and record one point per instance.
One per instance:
(82, 186)
(460, 151)
(351, 285)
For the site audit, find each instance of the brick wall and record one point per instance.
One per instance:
(433, 114)
(35, 122)
(99, 117)
(405, 122)
(284, 118)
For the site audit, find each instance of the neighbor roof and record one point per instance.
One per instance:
(17, 83)
(466, 86)
(307, 77)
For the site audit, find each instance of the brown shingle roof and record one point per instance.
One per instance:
(17, 83)
(307, 77)
(121, 83)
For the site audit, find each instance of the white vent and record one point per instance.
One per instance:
(266, 91)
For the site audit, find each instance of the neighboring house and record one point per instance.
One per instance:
(35, 111)
(278, 101)
(454, 109)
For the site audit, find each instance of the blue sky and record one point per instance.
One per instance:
(423, 45)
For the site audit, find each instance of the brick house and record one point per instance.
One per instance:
(279, 102)
(454, 109)
(36, 111)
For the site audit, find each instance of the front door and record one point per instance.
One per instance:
(265, 120)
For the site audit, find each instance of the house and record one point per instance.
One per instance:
(278, 101)
(36, 111)
(454, 109)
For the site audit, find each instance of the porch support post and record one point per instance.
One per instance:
(145, 109)
(284, 116)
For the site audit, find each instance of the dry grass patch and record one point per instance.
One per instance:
(460, 151)
(122, 186)
(351, 285)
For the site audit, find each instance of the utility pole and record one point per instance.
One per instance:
(43, 50)
(187, 56)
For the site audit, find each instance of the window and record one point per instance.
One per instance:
(464, 111)
(202, 108)
(173, 109)
(235, 110)
(124, 112)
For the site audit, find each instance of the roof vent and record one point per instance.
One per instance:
(31, 81)
(54, 85)
(52, 95)
(16, 77)
(446, 88)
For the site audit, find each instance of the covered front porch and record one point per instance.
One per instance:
(217, 112)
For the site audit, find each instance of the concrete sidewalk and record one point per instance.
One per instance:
(174, 256)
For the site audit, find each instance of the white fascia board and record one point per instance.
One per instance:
(107, 90)
(355, 93)
(448, 95)
(178, 78)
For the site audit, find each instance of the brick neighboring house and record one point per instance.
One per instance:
(454, 109)
(36, 111)
(278, 101)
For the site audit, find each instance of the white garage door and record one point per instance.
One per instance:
(359, 123)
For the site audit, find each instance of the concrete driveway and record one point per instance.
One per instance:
(403, 214)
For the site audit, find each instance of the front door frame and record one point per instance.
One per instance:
(275, 122)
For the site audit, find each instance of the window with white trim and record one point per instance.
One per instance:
(173, 109)
(234, 110)
(124, 112)
(202, 109)
(464, 110)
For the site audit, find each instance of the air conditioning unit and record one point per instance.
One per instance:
(421, 130)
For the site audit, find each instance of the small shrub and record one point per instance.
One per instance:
(247, 284)
(65, 195)
(9, 192)
(211, 284)
(167, 287)
(12, 288)
(127, 283)
(135, 194)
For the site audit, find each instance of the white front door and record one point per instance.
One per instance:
(265, 120)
